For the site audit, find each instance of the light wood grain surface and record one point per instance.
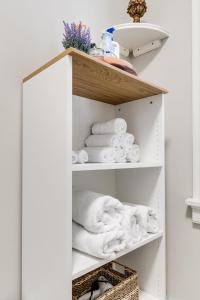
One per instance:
(95, 79)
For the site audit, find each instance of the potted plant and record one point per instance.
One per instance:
(76, 36)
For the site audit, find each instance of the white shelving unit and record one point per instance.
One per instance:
(60, 102)
(140, 37)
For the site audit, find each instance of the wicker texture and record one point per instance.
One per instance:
(125, 285)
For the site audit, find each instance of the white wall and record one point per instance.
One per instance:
(30, 33)
(172, 68)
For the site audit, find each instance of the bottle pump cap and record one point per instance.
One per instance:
(111, 30)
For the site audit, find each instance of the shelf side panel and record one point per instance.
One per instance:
(47, 184)
(146, 186)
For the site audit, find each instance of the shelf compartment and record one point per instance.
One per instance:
(97, 80)
(83, 263)
(113, 166)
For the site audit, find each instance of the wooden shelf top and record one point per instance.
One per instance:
(97, 80)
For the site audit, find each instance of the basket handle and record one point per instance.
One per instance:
(119, 268)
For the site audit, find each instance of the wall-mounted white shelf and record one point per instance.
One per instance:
(140, 37)
(113, 166)
(83, 263)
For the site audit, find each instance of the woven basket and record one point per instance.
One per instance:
(122, 278)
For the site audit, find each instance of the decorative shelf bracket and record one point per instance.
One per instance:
(147, 48)
(194, 201)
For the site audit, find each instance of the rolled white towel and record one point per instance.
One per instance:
(114, 126)
(74, 157)
(100, 154)
(120, 155)
(100, 140)
(126, 141)
(133, 154)
(96, 212)
(80, 156)
(133, 231)
(146, 218)
(103, 245)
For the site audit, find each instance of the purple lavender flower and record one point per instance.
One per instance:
(77, 36)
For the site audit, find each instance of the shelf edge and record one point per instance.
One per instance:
(115, 166)
(101, 262)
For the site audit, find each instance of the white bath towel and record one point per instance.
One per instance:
(133, 231)
(100, 140)
(100, 154)
(74, 157)
(82, 156)
(96, 212)
(146, 218)
(120, 155)
(133, 154)
(102, 245)
(126, 141)
(115, 126)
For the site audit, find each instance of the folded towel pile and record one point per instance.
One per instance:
(103, 226)
(111, 143)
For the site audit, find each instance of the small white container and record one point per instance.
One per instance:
(106, 43)
(116, 49)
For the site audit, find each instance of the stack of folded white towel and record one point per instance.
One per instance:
(103, 226)
(109, 143)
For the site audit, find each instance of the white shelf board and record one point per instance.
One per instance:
(114, 166)
(83, 263)
(136, 35)
(145, 296)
